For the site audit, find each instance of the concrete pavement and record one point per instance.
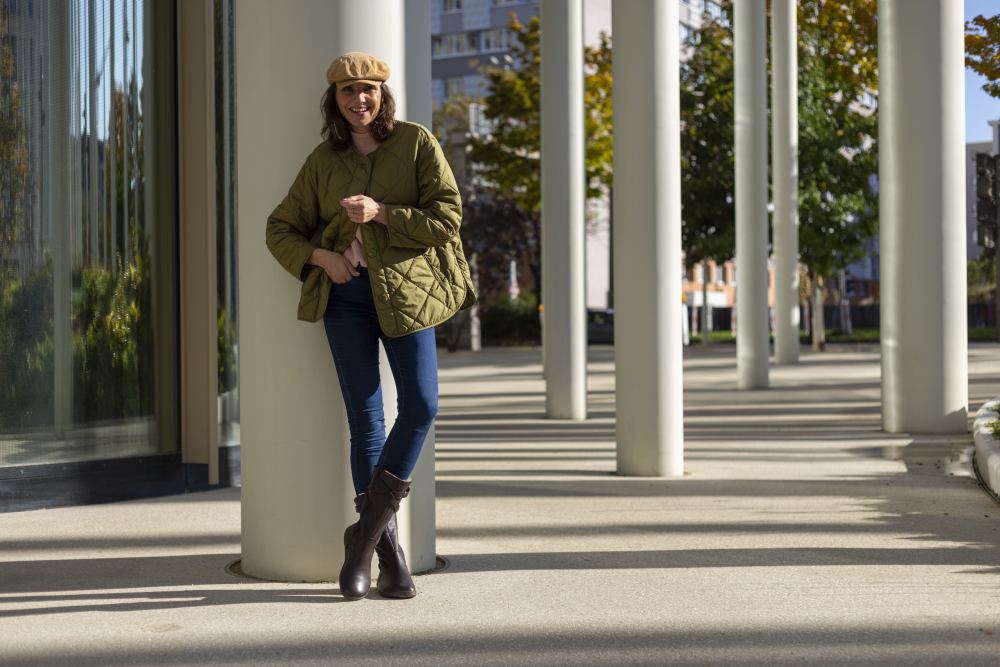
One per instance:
(800, 533)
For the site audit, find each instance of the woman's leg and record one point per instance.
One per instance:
(353, 332)
(413, 359)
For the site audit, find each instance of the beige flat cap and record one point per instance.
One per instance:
(357, 66)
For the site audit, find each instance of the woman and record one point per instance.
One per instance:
(370, 226)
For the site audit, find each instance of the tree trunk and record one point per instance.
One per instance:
(475, 333)
(845, 306)
(704, 303)
(818, 326)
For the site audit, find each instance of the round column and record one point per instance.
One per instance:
(564, 337)
(647, 262)
(417, 524)
(297, 491)
(750, 63)
(922, 208)
(785, 177)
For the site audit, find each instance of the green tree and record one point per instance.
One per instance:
(707, 167)
(982, 50)
(837, 133)
(838, 153)
(507, 159)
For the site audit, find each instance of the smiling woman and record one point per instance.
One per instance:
(370, 227)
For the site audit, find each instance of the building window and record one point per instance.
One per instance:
(454, 87)
(454, 44)
(713, 9)
(497, 39)
(226, 239)
(720, 275)
(452, 6)
(90, 373)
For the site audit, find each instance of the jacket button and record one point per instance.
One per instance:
(371, 253)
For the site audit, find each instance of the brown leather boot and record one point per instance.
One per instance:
(394, 580)
(378, 508)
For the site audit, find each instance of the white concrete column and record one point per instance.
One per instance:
(295, 467)
(922, 216)
(752, 321)
(417, 525)
(403, 40)
(647, 261)
(564, 337)
(785, 175)
(304, 444)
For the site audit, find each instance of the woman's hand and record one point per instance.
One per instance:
(337, 267)
(362, 209)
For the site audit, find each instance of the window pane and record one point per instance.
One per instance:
(86, 335)
(225, 202)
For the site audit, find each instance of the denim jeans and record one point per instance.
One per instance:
(353, 332)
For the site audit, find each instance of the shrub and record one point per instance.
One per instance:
(512, 322)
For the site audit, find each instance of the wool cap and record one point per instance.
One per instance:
(357, 66)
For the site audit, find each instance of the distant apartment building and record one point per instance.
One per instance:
(973, 249)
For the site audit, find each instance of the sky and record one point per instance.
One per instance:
(979, 107)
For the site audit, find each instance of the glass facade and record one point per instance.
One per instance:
(88, 302)
(225, 202)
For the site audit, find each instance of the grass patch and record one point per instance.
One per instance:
(714, 337)
(976, 334)
(983, 334)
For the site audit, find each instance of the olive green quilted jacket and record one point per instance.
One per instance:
(419, 275)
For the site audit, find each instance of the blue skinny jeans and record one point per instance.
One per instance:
(353, 332)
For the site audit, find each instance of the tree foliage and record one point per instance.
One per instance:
(508, 157)
(982, 50)
(503, 195)
(707, 166)
(838, 153)
(837, 150)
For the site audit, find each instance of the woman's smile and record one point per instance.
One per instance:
(359, 103)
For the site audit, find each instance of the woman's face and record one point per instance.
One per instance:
(359, 103)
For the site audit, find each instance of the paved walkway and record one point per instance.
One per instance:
(800, 533)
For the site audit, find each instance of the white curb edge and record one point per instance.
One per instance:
(987, 457)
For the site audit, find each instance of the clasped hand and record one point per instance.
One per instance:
(362, 209)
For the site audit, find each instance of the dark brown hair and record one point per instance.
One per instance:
(337, 130)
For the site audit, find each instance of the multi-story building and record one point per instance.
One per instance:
(973, 249)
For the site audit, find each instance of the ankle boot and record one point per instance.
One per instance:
(379, 506)
(394, 580)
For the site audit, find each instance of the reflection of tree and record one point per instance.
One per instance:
(111, 320)
(25, 300)
(26, 349)
(112, 311)
(13, 147)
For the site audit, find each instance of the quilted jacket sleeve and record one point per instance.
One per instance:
(435, 220)
(293, 224)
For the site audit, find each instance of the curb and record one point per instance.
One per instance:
(987, 457)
